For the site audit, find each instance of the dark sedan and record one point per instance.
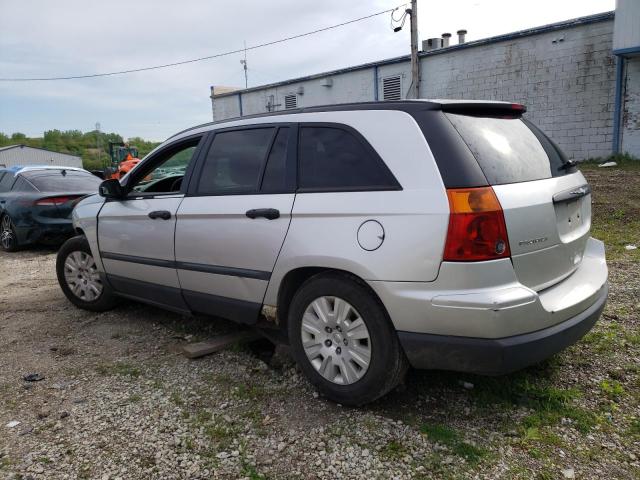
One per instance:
(36, 203)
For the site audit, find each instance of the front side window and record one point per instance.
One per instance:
(332, 158)
(167, 172)
(235, 161)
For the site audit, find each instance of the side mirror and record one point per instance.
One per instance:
(111, 189)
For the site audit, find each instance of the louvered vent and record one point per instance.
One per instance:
(290, 101)
(392, 88)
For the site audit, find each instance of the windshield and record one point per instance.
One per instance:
(510, 150)
(55, 181)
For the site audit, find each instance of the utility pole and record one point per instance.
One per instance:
(98, 142)
(415, 63)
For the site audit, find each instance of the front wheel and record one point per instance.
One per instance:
(343, 340)
(79, 278)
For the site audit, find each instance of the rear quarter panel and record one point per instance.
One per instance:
(324, 226)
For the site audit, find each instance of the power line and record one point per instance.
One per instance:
(194, 60)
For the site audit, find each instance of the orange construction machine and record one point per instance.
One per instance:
(123, 159)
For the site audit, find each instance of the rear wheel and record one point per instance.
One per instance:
(343, 340)
(79, 278)
(8, 237)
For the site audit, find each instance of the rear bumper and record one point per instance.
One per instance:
(498, 356)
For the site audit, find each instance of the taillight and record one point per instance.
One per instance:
(54, 201)
(477, 230)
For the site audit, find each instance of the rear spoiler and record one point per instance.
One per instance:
(489, 109)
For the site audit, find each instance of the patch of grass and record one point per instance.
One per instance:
(222, 433)
(610, 338)
(612, 389)
(393, 450)
(135, 398)
(625, 161)
(550, 404)
(449, 437)
(250, 391)
(617, 233)
(120, 368)
(634, 428)
(5, 462)
(177, 399)
(249, 471)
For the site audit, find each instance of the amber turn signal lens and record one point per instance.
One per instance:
(477, 229)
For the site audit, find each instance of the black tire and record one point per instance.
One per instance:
(388, 364)
(8, 236)
(106, 300)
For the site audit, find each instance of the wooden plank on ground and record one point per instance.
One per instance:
(200, 349)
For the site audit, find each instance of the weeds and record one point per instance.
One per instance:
(450, 438)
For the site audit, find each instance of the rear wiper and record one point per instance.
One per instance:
(568, 165)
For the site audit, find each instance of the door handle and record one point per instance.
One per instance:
(268, 213)
(163, 214)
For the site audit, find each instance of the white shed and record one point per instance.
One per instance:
(25, 156)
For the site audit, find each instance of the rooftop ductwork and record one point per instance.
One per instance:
(462, 34)
(431, 44)
(445, 39)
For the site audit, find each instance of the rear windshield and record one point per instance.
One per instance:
(70, 182)
(510, 150)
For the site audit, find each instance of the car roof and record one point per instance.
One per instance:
(18, 169)
(409, 106)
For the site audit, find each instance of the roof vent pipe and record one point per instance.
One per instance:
(461, 36)
(445, 39)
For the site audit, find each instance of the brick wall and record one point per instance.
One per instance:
(566, 77)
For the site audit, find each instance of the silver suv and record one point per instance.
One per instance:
(438, 234)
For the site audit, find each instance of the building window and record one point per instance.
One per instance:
(290, 101)
(392, 88)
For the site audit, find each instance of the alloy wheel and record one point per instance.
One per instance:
(336, 340)
(7, 237)
(82, 277)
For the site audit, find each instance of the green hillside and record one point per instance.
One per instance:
(77, 143)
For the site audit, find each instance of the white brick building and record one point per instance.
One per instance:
(566, 73)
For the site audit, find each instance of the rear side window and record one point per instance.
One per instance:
(508, 151)
(70, 181)
(333, 158)
(6, 181)
(275, 179)
(234, 162)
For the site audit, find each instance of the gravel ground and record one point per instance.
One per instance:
(118, 400)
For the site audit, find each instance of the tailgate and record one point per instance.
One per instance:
(546, 201)
(548, 224)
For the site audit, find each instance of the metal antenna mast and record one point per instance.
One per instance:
(244, 62)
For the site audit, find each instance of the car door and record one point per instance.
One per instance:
(233, 221)
(136, 234)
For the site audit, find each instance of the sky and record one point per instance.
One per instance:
(75, 37)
